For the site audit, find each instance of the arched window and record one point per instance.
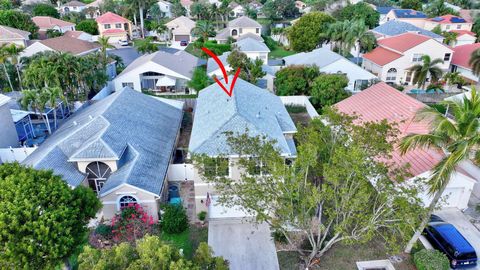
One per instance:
(234, 32)
(97, 175)
(391, 74)
(126, 201)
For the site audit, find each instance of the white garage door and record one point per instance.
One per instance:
(452, 197)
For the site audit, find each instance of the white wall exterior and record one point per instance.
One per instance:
(15, 154)
(67, 9)
(391, 17)
(429, 25)
(353, 72)
(238, 11)
(464, 40)
(35, 48)
(254, 55)
(166, 8)
(467, 73)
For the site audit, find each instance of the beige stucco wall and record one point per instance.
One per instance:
(417, 22)
(429, 25)
(245, 30)
(115, 37)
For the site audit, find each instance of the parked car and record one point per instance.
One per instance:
(183, 43)
(123, 42)
(446, 238)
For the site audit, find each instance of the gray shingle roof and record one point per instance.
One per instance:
(224, 34)
(251, 35)
(251, 45)
(320, 57)
(394, 27)
(212, 65)
(244, 21)
(137, 130)
(250, 108)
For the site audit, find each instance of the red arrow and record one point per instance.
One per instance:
(224, 72)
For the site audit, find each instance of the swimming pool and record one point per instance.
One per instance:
(428, 91)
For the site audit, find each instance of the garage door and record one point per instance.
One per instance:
(452, 197)
(182, 37)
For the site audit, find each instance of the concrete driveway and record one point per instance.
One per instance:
(463, 225)
(244, 245)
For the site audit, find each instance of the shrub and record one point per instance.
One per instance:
(174, 219)
(279, 237)
(132, 223)
(295, 108)
(202, 215)
(104, 230)
(431, 260)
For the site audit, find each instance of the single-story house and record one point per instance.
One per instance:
(411, 16)
(464, 37)
(330, 62)
(461, 59)
(114, 26)
(180, 29)
(10, 35)
(383, 102)
(394, 28)
(160, 72)
(45, 23)
(63, 44)
(120, 146)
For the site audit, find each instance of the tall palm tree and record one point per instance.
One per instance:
(459, 140)
(35, 100)
(52, 95)
(13, 53)
(475, 62)
(104, 45)
(449, 37)
(3, 61)
(203, 29)
(428, 68)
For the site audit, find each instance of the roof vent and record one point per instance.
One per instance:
(74, 123)
(258, 115)
(90, 116)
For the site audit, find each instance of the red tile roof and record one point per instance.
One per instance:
(73, 34)
(403, 42)
(464, 32)
(462, 53)
(447, 19)
(70, 45)
(111, 17)
(45, 22)
(382, 101)
(381, 56)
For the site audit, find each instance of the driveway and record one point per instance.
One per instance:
(463, 225)
(243, 244)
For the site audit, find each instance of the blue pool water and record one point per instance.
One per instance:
(421, 91)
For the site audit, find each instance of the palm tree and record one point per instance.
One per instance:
(36, 100)
(146, 46)
(104, 45)
(3, 62)
(449, 37)
(475, 62)
(454, 78)
(203, 29)
(52, 95)
(459, 140)
(428, 68)
(13, 53)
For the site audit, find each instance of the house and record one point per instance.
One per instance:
(236, 9)
(45, 23)
(79, 35)
(165, 8)
(460, 62)
(72, 6)
(255, 5)
(411, 16)
(92, 10)
(393, 57)
(62, 44)
(8, 132)
(187, 4)
(253, 48)
(383, 102)
(120, 146)
(239, 27)
(249, 109)
(10, 35)
(448, 22)
(160, 72)
(383, 11)
(180, 29)
(301, 6)
(464, 37)
(394, 28)
(115, 27)
(330, 62)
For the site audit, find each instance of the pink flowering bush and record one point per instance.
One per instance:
(132, 223)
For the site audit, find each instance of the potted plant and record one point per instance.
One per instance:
(202, 216)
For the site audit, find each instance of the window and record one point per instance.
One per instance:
(234, 32)
(447, 57)
(126, 201)
(459, 26)
(129, 84)
(106, 26)
(257, 30)
(118, 25)
(417, 57)
(391, 75)
(97, 175)
(240, 30)
(216, 167)
(447, 27)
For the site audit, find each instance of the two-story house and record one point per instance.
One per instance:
(411, 16)
(393, 57)
(448, 22)
(461, 62)
(72, 6)
(114, 26)
(239, 27)
(166, 8)
(10, 35)
(237, 10)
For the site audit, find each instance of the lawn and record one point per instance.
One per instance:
(279, 52)
(187, 240)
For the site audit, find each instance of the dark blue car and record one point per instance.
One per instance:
(445, 237)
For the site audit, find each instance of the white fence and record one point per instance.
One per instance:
(105, 92)
(180, 172)
(15, 154)
(300, 101)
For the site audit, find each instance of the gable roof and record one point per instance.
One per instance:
(69, 45)
(403, 42)
(381, 56)
(111, 17)
(74, 34)
(244, 21)
(462, 53)
(46, 22)
(180, 62)
(383, 10)
(449, 18)
(409, 14)
(464, 32)
(249, 35)
(181, 25)
(320, 57)
(115, 127)
(395, 27)
(382, 101)
(251, 45)
(249, 107)
(12, 33)
(74, 3)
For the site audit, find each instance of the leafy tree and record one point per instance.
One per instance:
(41, 9)
(476, 28)
(74, 17)
(411, 4)
(251, 70)
(200, 10)
(359, 11)
(295, 80)
(199, 79)
(437, 30)
(6, 4)
(328, 89)
(319, 199)
(428, 68)
(205, 260)
(449, 37)
(88, 26)
(19, 20)
(104, 46)
(36, 100)
(309, 31)
(4, 56)
(38, 232)
(475, 62)
(177, 9)
(438, 8)
(12, 53)
(279, 9)
(52, 33)
(458, 140)
(145, 46)
(174, 220)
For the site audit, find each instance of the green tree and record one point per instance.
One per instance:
(449, 37)
(177, 9)
(145, 46)
(199, 79)
(53, 95)
(474, 62)
(251, 70)
(36, 100)
(359, 11)
(88, 26)
(295, 80)
(438, 8)
(279, 9)
(319, 199)
(41, 9)
(476, 28)
(4, 56)
(19, 20)
(428, 68)
(203, 29)
(104, 46)
(328, 89)
(458, 140)
(55, 219)
(309, 31)
(52, 33)
(12, 52)
(200, 10)
(6, 4)
(411, 4)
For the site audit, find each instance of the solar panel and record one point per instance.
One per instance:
(457, 20)
(437, 19)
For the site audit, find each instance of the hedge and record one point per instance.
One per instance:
(431, 260)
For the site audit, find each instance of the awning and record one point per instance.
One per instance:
(166, 81)
(18, 115)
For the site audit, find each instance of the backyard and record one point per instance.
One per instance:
(187, 240)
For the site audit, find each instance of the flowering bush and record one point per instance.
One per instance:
(132, 223)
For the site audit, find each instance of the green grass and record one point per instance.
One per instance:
(276, 50)
(296, 109)
(187, 240)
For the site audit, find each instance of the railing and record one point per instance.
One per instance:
(300, 101)
(180, 172)
(15, 154)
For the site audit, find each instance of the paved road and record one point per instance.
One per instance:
(129, 54)
(244, 245)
